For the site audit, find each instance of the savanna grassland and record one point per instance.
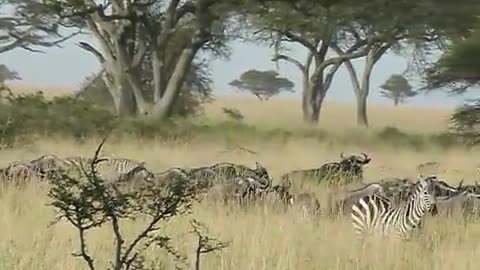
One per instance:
(260, 239)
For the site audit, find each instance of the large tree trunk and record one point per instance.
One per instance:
(314, 92)
(362, 93)
(122, 96)
(164, 107)
(134, 82)
(124, 100)
(307, 104)
(312, 101)
(362, 119)
(362, 89)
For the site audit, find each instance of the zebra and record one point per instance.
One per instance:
(378, 215)
(112, 169)
(340, 202)
(109, 169)
(20, 172)
(348, 169)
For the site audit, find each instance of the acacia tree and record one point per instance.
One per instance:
(316, 26)
(397, 89)
(401, 26)
(458, 70)
(26, 28)
(134, 39)
(263, 84)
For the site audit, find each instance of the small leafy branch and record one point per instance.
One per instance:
(87, 202)
(205, 243)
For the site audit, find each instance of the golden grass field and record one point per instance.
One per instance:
(261, 239)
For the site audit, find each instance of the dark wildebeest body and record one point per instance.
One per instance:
(464, 202)
(233, 181)
(347, 170)
(396, 189)
(307, 202)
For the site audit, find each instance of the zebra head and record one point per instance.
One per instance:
(424, 194)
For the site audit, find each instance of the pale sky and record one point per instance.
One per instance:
(68, 66)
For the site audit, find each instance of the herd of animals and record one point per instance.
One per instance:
(390, 206)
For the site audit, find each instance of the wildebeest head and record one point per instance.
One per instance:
(262, 175)
(354, 163)
(261, 171)
(441, 188)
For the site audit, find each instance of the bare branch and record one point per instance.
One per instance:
(350, 54)
(86, 46)
(291, 60)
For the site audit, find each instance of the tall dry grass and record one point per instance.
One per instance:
(261, 239)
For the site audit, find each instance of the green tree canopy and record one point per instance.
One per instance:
(24, 24)
(458, 68)
(397, 89)
(263, 84)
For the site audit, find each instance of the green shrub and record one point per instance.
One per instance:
(26, 116)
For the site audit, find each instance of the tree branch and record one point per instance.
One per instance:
(304, 42)
(86, 46)
(100, 10)
(187, 8)
(291, 60)
(351, 53)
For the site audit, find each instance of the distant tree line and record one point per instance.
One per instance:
(152, 52)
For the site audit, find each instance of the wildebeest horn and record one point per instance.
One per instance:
(460, 184)
(366, 159)
(341, 155)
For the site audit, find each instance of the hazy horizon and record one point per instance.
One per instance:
(68, 66)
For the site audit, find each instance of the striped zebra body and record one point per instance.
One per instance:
(20, 172)
(378, 215)
(107, 168)
(173, 174)
(114, 169)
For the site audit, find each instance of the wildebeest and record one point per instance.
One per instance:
(257, 179)
(241, 189)
(307, 202)
(48, 162)
(347, 170)
(340, 202)
(442, 189)
(396, 189)
(464, 202)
